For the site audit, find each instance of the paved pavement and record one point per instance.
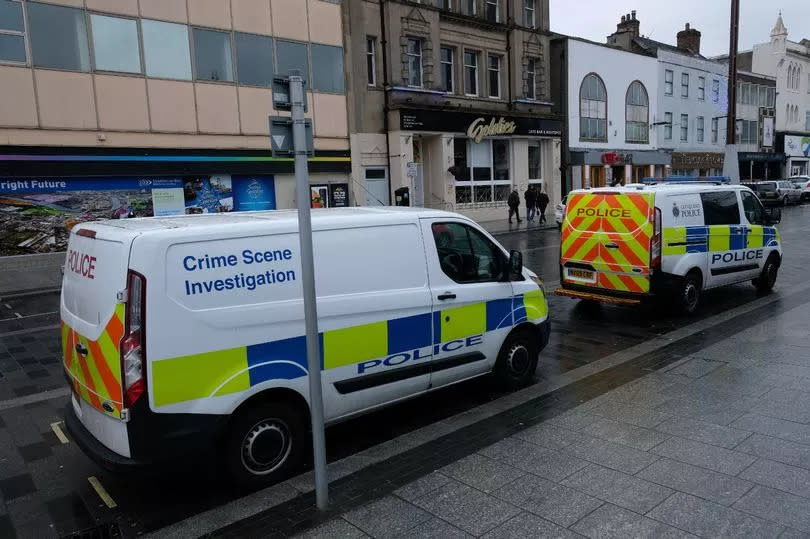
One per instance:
(642, 402)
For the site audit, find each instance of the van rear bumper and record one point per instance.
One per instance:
(98, 452)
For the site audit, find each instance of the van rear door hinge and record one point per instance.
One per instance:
(122, 295)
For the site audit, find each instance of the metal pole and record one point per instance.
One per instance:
(303, 195)
(731, 118)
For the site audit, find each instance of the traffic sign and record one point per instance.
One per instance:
(281, 94)
(281, 136)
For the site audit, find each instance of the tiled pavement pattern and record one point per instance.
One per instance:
(711, 444)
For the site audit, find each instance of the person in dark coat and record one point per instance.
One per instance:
(530, 196)
(542, 203)
(514, 205)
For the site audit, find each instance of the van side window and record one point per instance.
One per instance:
(752, 208)
(466, 255)
(721, 208)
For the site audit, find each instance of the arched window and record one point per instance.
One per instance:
(636, 114)
(593, 109)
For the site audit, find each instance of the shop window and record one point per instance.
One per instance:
(593, 109)
(414, 54)
(58, 37)
(292, 56)
(481, 171)
(327, 68)
(721, 208)
(212, 55)
(165, 49)
(534, 161)
(637, 114)
(254, 59)
(12, 32)
(461, 166)
(115, 44)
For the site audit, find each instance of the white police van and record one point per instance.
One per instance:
(182, 331)
(669, 237)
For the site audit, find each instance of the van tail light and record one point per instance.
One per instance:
(133, 345)
(655, 243)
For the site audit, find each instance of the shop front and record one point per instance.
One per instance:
(756, 166)
(797, 153)
(44, 192)
(697, 164)
(471, 162)
(600, 168)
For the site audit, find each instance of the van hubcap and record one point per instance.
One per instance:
(518, 360)
(690, 294)
(266, 446)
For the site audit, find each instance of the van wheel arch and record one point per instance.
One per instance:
(522, 344)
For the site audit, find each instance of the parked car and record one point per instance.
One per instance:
(767, 192)
(803, 183)
(789, 193)
(559, 211)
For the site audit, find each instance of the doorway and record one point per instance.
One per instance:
(376, 184)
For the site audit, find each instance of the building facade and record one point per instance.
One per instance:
(788, 62)
(609, 98)
(756, 127)
(451, 103)
(157, 107)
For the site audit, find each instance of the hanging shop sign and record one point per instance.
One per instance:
(478, 126)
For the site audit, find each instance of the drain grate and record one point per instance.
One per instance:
(101, 531)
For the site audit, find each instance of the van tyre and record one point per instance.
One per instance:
(517, 360)
(767, 279)
(266, 443)
(689, 293)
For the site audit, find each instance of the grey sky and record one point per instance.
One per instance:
(662, 19)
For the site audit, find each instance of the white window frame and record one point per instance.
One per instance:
(372, 56)
(684, 127)
(531, 75)
(715, 130)
(421, 65)
(530, 14)
(685, 86)
(490, 71)
(700, 127)
(475, 54)
(715, 90)
(701, 89)
(668, 73)
(24, 34)
(451, 63)
(667, 126)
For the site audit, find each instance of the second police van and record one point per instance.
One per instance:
(671, 238)
(187, 332)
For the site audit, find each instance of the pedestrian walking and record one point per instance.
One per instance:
(542, 203)
(514, 205)
(530, 196)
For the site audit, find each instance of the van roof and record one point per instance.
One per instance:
(673, 188)
(321, 218)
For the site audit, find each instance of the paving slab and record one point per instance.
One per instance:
(695, 367)
(779, 476)
(772, 426)
(702, 431)
(639, 415)
(707, 484)
(548, 436)
(630, 435)
(552, 501)
(618, 488)
(777, 449)
(482, 472)
(529, 525)
(387, 517)
(778, 506)
(701, 410)
(436, 528)
(337, 528)
(610, 521)
(611, 454)
(422, 486)
(708, 519)
(548, 463)
(704, 455)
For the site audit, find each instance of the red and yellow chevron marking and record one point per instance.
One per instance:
(96, 376)
(623, 221)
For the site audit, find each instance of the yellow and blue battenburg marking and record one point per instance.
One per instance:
(680, 240)
(234, 370)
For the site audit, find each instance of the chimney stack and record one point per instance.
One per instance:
(629, 24)
(689, 40)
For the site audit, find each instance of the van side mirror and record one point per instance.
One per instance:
(515, 265)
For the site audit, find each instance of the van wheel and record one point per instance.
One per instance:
(517, 360)
(688, 297)
(266, 443)
(767, 279)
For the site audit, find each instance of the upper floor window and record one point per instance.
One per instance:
(58, 37)
(593, 109)
(807, 121)
(292, 56)
(212, 55)
(12, 32)
(371, 61)
(414, 62)
(684, 84)
(531, 79)
(468, 7)
(715, 91)
(327, 68)
(447, 4)
(699, 128)
(448, 78)
(684, 127)
(165, 49)
(254, 59)
(494, 72)
(668, 125)
(715, 129)
(637, 108)
(470, 73)
(668, 79)
(808, 83)
(492, 10)
(115, 44)
(701, 88)
(529, 14)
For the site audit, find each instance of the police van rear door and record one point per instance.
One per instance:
(606, 240)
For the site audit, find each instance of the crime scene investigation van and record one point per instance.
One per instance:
(188, 331)
(670, 238)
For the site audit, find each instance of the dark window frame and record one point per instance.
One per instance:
(495, 254)
(717, 210)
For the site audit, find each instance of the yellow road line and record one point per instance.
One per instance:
(102, 493)
(58, 431)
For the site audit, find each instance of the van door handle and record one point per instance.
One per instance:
(81, 350)
(447, 295)
(611, 246)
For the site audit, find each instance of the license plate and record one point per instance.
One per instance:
(577, 274)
